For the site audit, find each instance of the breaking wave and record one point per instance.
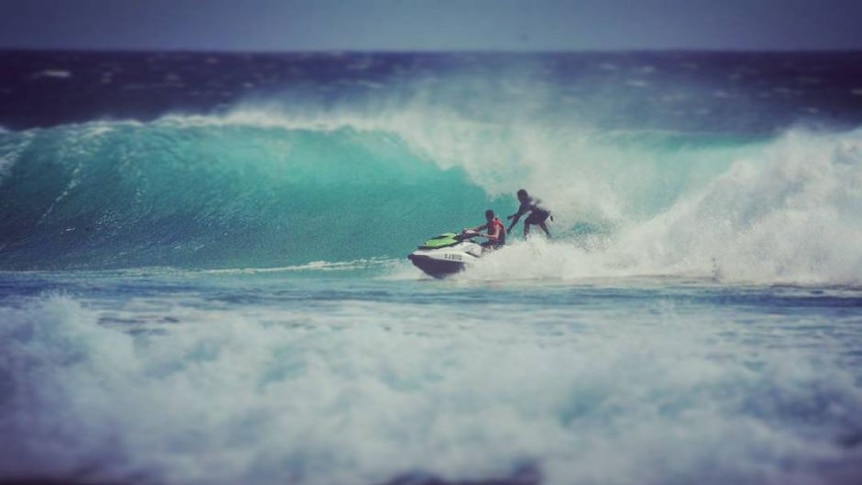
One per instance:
(260, 188)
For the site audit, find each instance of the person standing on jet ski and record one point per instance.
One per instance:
(538, 215)
(496, 231)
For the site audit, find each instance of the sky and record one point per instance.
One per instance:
(431, 25)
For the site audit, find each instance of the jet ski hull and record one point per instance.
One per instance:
(446, 254)
(438, 268)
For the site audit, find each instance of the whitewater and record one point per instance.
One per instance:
(213, 287)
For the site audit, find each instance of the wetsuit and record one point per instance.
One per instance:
(537, 215)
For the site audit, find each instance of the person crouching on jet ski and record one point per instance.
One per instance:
(496, 231)
(538, 215)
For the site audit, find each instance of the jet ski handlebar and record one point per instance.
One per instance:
(467, 234)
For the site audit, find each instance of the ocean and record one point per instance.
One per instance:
(203, 272)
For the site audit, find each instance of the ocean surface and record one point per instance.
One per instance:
(203, 273)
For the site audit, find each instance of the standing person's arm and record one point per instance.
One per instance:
(517, 216)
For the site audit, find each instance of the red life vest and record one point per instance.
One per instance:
(502, 234)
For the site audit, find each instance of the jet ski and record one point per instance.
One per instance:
(447, 254)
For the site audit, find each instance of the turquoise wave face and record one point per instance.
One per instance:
(262, 190)
(199, 194)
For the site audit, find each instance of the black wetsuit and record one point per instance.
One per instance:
(537, 215)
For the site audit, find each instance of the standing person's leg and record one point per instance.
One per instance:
(541, 220)
(538, 219)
